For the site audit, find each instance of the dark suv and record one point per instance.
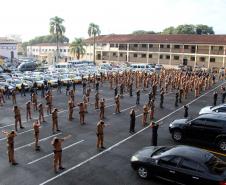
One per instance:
(209, 128)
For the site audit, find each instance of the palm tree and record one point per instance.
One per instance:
(93, 31)
(57, 29)
(77, 48)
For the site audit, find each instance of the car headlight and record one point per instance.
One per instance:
(170, 125)
(134, 158)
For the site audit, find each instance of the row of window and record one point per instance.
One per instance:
(8, 47)
(46, 50)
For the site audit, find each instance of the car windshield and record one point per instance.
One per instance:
(216, 165)
(160, 151)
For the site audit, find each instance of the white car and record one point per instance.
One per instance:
(213, 109)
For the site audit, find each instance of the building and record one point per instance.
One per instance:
(193, 50)
(8, 48)
(47, 52)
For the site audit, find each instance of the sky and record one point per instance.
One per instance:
(29, 18)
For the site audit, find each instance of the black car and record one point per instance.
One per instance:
(206, 128)
(180, 164)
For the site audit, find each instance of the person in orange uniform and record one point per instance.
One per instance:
(36, 126)
(102, 107)
(14, 97)
(145, 115)
(16, 111)
(10, 145)
(117, 104)
(97, 100)
(28, 109)
(41, 113)
(100, 134)
(70, 110)
(48, 103)
(81, 113)
(54, 121)
(57, 145)
(34, 101)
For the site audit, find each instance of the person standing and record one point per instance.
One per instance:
(131, 89)
(161, 98)
(73, 85)
(34, 101)
(81, 113)
(28, 110)
(57, 146)
(121, 89)
(223, 94)
(41, 113)
(176, 100)
(145, 115)
(10, 145)
(117, 104)
(154, 127)
(132, 121)
(138, 97)
(14, 97)
(100, 134)
(97, 100)
(102, 107)
(116, 91)
(215, 98)
(55, 121)
(22, 91)
(42, 90)
(67, 88)
(59, 84)
(186, 111)
(16, 111)
(36, 126)
(70, 110)
(152, 109)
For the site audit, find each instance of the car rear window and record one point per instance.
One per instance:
(216, 165)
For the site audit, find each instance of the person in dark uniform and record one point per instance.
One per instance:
(185, 111)
(154, 127)
(131, 89)
(161, 98)
(181, 91)
(121, 89)
(83, 87)
(67, 88)
(73, 85)
(97, 86)
(22, 90)
(42, 91)
(215, 98)
(116, 91)
(59, 86)
(138, 97)
(132, 121)
(223, 94)
(176, 100)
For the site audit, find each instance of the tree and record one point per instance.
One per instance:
(204, 29)
(93, 31)
(77, 48)
(169, 30)
(142, 32)
(57, 29)
(185, 29)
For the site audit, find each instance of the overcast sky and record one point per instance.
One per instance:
(29, 18)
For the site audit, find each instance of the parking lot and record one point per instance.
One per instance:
(85, 165)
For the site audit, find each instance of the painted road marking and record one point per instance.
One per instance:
(122, 141)
(65, 148)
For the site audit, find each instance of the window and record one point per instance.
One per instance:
(121, 55)
(45, 50)
(176, 57)
(192, 58)
(68, 50)
(189, 165)
(220, 48)
(143, 55)
(169, 161)
(135, 45)
(114, 54)
(144, 45)
(186, 47)
(222, 109)
(198, 122)
(167, 56)
(176, 46)
(202, 59)
(160, 56)
(150, 45)
(116, 45)
(60, 50)
(161, 46)
(64, 50)
(112, 45)
(49, 49)
(168, 46)
(212, 123)
(212, 59)
(135, 55)
(150, 55)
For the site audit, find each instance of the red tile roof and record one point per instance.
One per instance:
(156, 38)
(50, 44)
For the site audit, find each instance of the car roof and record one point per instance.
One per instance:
(217, 116)
(192, 153)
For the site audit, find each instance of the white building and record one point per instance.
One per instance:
(8, 48)
(47, 51)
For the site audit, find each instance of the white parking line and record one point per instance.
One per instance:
(127, 108)
(44, 139)
(65, 148)
(122, 141)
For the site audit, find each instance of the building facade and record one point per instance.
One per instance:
(207, 51)
(8, 48)
(47, 52)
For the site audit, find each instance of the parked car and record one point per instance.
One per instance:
(209, 128)
(180, 164)
(27, 66)
(213, 109)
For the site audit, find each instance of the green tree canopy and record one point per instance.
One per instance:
(204, 30)
(77, 47)
(141, 32)
(47, 39)
(169, 30)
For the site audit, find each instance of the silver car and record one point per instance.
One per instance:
(213, 109)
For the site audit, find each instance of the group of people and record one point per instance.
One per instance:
(182, 84)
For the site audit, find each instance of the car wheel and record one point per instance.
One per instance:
(143, 172)
(222, 145)
(177, 135)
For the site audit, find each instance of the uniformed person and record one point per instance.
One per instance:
(100, 134)
(132, 121)
(154, 127)
(41, 113)
(48, 103)
(215, 98)
(88, 91)
(17, 117)
(117, 104)
(14, 97)
(34, 101)
(131, 89)
(81, 113)
(102, 107)
(176, 100)
(145, 115)
(161, 98)
(138, 97)
(97, 100)
(116, 91)
(36, 126)
(28, 110)
(55, 121)
(121, 89)
(10, 146)
(85, 103)
(185, 111)
(57, 145)
(152, 109)
(70, 110)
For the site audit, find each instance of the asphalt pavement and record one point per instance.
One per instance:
(84, 164)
